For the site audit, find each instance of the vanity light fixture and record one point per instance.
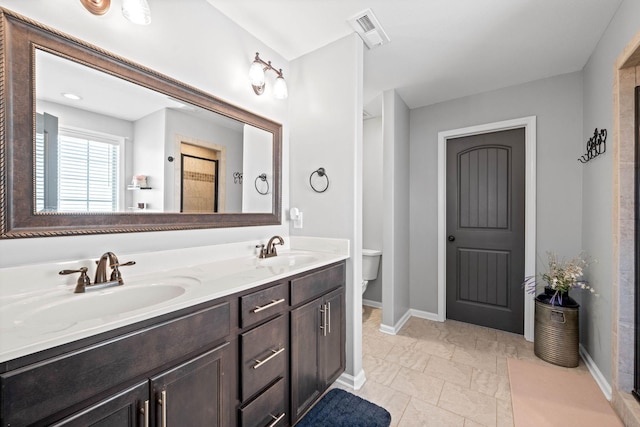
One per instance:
(256, 75)
(137, 11)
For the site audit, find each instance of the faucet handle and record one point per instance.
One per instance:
(83, 280)
(115, 272)
(262, 250)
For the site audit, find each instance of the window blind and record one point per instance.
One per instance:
(88, 172)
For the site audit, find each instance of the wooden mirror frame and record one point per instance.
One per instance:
(19, 38)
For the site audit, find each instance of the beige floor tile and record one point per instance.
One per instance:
(491, 384)
(435, 347)
(504, 414)
(392, 400)
(419, 413)
(379, 346)
(468, 403)
(408, 357)
(510, 338)
(420, 328)
(464, 340)
(476, 359)
(501, 366)
(452, 372)
(496, 347)
(418, 384)
(470, 423)
(379, 370)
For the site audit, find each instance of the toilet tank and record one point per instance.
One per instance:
(370, 263)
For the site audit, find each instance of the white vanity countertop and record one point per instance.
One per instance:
(38, 309)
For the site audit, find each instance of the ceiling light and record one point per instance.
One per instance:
(97, 7)
(72, 96)
(137, 11)
(257, 78)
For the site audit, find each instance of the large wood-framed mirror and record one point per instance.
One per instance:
(110, 162)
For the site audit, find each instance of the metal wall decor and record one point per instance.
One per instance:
(263, 178)
(321, 174)
(596, 145)
(237, 177)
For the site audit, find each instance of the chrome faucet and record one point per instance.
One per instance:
(270, 250)
(108, 259)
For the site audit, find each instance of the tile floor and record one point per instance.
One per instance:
(441, 373)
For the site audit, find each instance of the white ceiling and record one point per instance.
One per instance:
(440, 49)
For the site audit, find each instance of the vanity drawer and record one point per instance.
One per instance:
(265, 409)
(262, 304)
(263, 355)
(313, 285)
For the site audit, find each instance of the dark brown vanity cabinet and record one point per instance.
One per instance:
(103, 383)
(317, 336)
(253, 359)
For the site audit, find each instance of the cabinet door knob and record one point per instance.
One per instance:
(451, 238)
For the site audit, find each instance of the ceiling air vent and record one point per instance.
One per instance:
(367, 26)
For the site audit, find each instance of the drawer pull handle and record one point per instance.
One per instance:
(276, 420)
(163, 402)
(328, 317)
(262, 362)
(145, 412)
(273, 303)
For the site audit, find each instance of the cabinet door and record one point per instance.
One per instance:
(332, 356)
(192, 394)
(125, 409)
(305, 334)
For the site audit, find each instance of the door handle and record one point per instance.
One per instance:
(162, 401)
(451, 238)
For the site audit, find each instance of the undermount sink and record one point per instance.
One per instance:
(288, 259)
(67, 309)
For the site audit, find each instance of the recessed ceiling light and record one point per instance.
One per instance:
(72, 96)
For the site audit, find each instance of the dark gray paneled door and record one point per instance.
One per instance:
(485, 229)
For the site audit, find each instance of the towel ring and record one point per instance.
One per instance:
(321, 173)
(263, 178)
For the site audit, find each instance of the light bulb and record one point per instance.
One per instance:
(136, 11)
(256, 74)
(280, 88)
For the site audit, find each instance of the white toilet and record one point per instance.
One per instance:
(370, 265)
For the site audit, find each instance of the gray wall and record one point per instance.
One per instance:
(326, 131)
(372, 207)
(396, 221)
(597, 175)
(557, 103)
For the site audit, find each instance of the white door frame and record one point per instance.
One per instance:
(529, 125)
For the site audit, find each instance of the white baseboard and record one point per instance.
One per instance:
(371, 303)
(595, 373)
(352, 382)
(425, 315)
(393, 330)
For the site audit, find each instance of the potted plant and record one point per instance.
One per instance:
(556, 327)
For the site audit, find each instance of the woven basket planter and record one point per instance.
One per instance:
(556, 334)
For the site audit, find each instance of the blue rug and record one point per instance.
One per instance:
(339, 408)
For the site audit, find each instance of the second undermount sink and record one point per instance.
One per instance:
(67, 309)
(288, 259)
